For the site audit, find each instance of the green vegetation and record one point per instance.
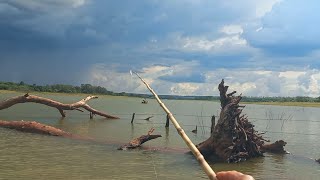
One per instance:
(56, 88)
(90, 89)
(87, 89)
(301, 104)
(281, 99)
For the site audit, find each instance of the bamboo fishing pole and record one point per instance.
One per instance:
(208, 170)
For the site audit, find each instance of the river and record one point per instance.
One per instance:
(33, 156)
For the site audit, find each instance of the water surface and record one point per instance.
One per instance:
(33, 156)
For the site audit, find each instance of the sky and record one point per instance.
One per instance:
(180, 47)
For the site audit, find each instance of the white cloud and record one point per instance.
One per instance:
(157, 70)
(184, 88)
(291, 74)
(309, 82)
(232, 29)
(314, 85)
(247, 82)
(259, 29)
(250, 9)
(203, 44)
(265, 6)
(107, 76)
(263, 72)
(160, 17)
(288, 29)
(270, 83)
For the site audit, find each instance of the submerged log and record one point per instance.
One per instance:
(137, 142)
(43, 129)
(38, 128)
(233, 138)
(60, 106)
(148, 118)
(276, 147)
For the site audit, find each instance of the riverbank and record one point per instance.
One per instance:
(300, 104)
(51, 93)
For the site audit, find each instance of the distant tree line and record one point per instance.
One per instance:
(90, 89)
(281, 99)
(56, 88)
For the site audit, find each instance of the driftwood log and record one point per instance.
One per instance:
(318, 160)
(60, 106)
(276, 147)
(38, 128)
(137, 142)
(234, 138)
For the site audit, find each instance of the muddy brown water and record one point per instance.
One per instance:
(33, 156)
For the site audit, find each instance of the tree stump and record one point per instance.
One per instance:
(234, 138)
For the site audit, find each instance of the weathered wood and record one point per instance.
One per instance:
(43, 129)
(167, 121)
(213, 123)
(38, 128)
(137, 142)
(148, 118)
(132, 117)
(233, 138)
(55, 104)
(276, 147)
(195, 130)
(144, 101)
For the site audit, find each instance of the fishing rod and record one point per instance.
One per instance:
(204, 164)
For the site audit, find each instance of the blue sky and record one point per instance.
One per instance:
(185, 47)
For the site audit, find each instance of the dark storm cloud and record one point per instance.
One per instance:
(56, 41)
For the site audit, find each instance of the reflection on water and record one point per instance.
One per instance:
(31, 156)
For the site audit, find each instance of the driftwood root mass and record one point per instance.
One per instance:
(233, 138)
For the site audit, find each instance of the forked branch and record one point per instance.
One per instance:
(55, 104)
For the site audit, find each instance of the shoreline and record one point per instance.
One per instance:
(297, 104)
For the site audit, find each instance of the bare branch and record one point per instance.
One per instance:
(55, 104)
(137, 142)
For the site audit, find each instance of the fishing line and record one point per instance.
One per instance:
(152, 160)
(154, 167)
